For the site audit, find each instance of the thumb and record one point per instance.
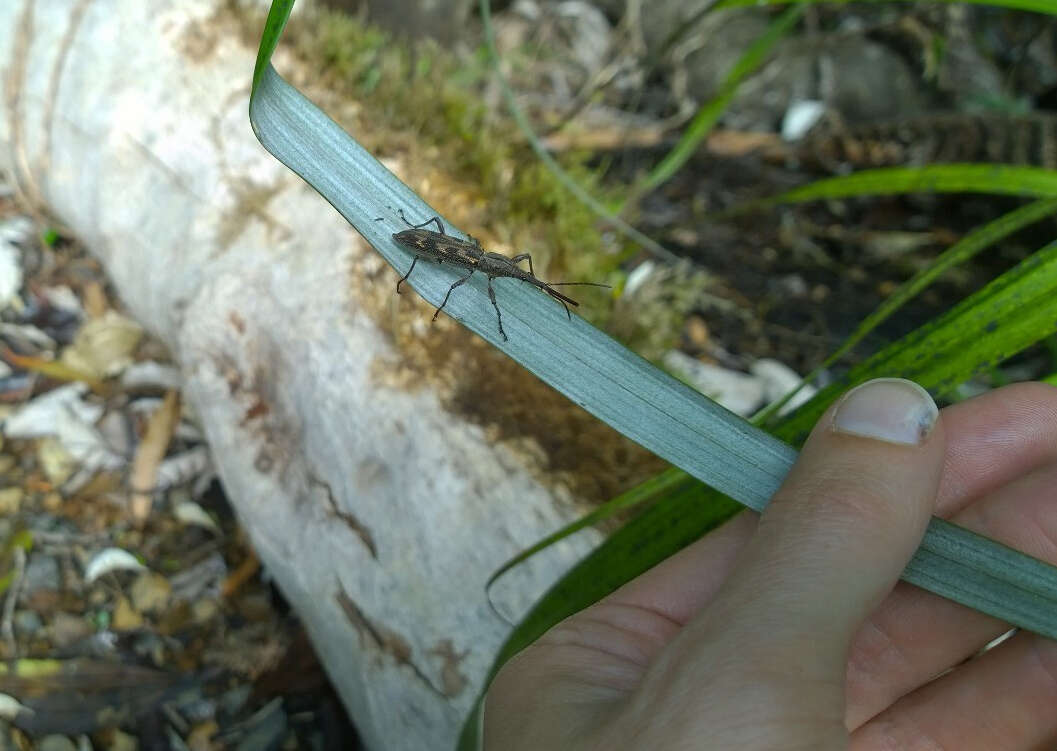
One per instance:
(830, 546)
(850, 514)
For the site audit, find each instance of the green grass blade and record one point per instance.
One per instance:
(1006, 584)
(659, 486)
(278, 15)
(996, 179)
(556, 169)
(979, 239)
(633, 549)
(1012, 312)
(710, 112)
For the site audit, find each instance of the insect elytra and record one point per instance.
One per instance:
(440, 247)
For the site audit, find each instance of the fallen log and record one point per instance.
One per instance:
(380, 479)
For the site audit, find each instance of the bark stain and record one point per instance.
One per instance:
(357, 527)
(383, 640)
(451, 678)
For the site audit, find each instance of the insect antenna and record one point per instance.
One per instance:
(563, 299)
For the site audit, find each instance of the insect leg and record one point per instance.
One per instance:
(419, 226)
(457, 283)
(405, 276)
(498, 315)
(524, 257)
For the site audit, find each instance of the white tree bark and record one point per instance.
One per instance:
(379, 513)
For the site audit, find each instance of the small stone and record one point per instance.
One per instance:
(738, 392)
(10, 501)
(779, 379)
(125, 618)
(52, 502)
(150, 592)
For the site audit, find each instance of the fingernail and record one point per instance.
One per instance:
(887, 409)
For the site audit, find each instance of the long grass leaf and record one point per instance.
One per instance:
(1012, 312)
(710, 112)
(976, 241)
(653, 489)
(995, 179)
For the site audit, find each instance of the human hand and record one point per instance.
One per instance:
(788, 630)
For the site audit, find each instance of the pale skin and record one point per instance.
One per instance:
(790, 630)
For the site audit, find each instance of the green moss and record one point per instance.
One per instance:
(436, 97)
